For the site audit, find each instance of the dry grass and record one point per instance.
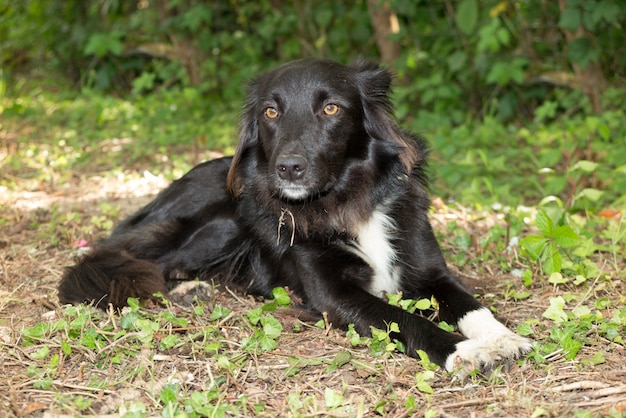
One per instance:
(268, 383)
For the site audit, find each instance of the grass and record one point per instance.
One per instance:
(553, 268)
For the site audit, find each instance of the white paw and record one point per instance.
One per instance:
(489, 344)
(485, 355)
(186, 292)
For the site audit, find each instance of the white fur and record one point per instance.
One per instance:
(489, 343)
(294, 192)
(373, 243)
(190, 287)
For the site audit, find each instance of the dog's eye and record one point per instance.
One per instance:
(331, 109)
(271, 113)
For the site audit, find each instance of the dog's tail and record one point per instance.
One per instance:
(110, 276)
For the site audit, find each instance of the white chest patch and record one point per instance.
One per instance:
(373, 244)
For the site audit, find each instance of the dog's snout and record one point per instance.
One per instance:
(291, 167)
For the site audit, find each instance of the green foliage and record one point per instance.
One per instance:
(555, 238)
(269, 328)
(383, 341)
(575, 160)
(483, 58)
(575, 327)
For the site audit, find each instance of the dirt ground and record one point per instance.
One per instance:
(30, 268)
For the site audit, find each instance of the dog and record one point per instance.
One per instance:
(326, 195)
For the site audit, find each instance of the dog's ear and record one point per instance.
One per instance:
(374, 83)
(248, 137)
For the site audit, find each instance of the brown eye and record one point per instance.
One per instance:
(271, 113)
(331, 109)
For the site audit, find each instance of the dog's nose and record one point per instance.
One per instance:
(291, 167)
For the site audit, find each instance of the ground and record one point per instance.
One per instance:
(204, 361)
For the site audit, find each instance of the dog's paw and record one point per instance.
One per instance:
(186, 292)
(487, 354)
(489, 345)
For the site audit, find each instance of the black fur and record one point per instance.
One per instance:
(288, 210)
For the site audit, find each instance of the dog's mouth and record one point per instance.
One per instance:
(306, 189)
(294, 193)
(297, 193)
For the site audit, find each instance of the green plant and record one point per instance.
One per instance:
(556, 239)
(270, 328)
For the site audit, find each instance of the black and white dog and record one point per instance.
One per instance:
(326, 195)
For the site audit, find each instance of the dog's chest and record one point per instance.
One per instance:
(374, 244)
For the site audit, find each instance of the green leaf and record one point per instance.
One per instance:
(37, 331)
(581, 312)
(421, 381)
(544, 223)
(201, 404)
(181, 322)
(571, 348)
(552, 260)
(556, 310)
(41, 353)
(467, 16)
(425, 361)
(527, 277)
(342, 357)
(281, 296)
(332, 399)
(557, 278)
(607, 10)
(569, 19)
(133, 304)
(592, 194)
(525, 329)
(169, 341)
(585, 248)
(582, 52)
(100, 44)
(597, 358)
(169, 393)
(456, 61)
(585, 166)
(389, 347)
(44, 384)
(534, 245)
(394, 299)
(446, 327)
(565, 236)
(271, 326)
(254, 315)
(66, 348)
(378, 334)
(220, 312)
(423, 304)
(603, 303)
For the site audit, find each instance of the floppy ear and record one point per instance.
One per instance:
(374, 83)
(248, 137)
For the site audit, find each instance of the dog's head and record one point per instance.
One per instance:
(305, 119)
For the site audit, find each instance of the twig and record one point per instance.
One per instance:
(469, 402)
(607, 392)
(234, 295)
(591, 288)
(281, 223)
(601, 402)
(584, 384)
(82, 388)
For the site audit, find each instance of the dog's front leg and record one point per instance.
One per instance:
(489, 343)
(334, 281)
